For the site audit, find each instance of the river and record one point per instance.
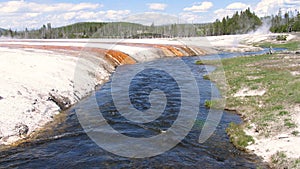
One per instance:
(64, 143)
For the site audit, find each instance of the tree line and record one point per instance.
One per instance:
(287, 22)
(239, 23)
(105, 30)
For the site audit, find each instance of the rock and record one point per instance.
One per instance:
(35, 102)
(22, 129)
(1, 98)
(62, 101)
(297, 52)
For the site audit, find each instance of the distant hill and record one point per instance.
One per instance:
(98, 29)
(2, 31)
(109, 30)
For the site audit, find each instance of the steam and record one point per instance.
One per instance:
(263, 29)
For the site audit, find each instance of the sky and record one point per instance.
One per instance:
(32, 14)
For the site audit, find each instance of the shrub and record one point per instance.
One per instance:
(238, 137)
(199, 62)
(281, 37)
(206, 77)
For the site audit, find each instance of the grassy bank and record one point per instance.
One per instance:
(262, 89)
(288, 45)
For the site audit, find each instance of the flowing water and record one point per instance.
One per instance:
(64, 144)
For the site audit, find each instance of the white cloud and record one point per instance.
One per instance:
(230, 10)
(220, 13)
(82, 6)
(262, 8)
(148, 18)
(237, 6)
(22, 14)
(22, 6)
(189, 17)
(157, 6)
(202, 7)
(269, 7)
(116, 15)
(11, 6)
(33, 14)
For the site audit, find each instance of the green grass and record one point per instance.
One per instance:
(199, 62)
(295, 133)
(279, 157)
(278, 107)
(238, 137)
(268, 112)
(288, 123)
(214, 104)
(206, 77)
(270, 73)
(287, 45)
(283, 113)
(281, 87)
(280, 160)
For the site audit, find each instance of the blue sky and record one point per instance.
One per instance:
(35, 13)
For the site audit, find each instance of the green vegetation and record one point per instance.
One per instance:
(241, 22)
(283, 113)
(288, 22)
(214, 104)
(106, 30)
(281, 37)
(199, 62)
(288, 123)
(280, 160)
(281, 87)
(295, 133)
(288, 45)
(278, 107)
(268, 113)
(278, 157)
(238, 137)
(206, 77)
(2, 31)
(208, 103)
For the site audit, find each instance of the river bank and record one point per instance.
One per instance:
(264, 90)
(38, 75)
